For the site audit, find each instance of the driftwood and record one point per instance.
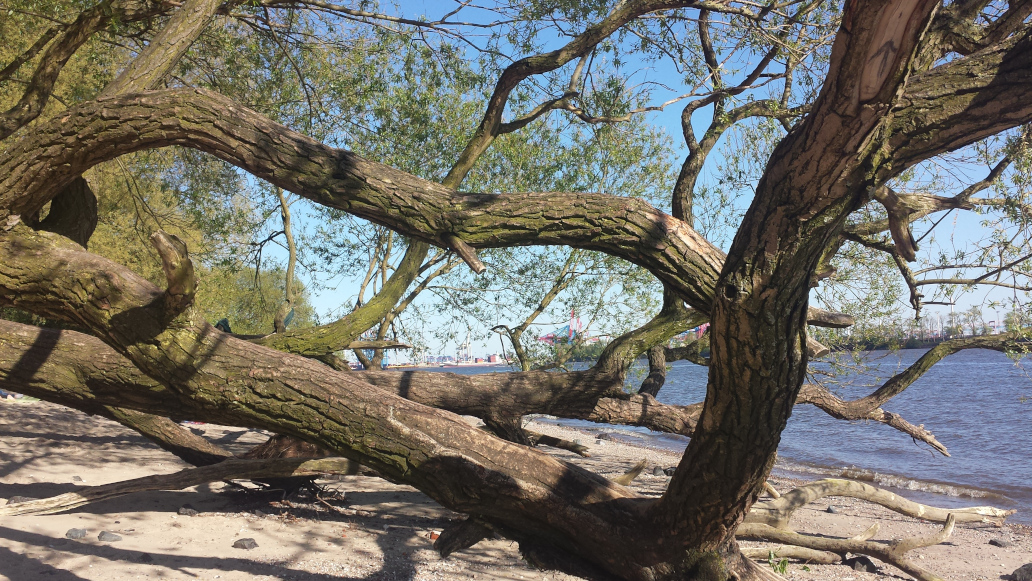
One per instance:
(776, 513)
(793, 552)
(769, 521)
(893, 553)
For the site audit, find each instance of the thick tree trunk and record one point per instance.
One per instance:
(815, 177)
(862, 130)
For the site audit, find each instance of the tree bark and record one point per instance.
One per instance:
(657, 372)
(815, 177)
(867, 125)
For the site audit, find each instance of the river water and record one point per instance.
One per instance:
(978, 403)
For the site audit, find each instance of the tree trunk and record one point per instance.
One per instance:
(657, 372)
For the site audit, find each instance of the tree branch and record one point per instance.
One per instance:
(338, 335)
(165, 50)
(963, 101)
(515, 73)
(62, 48)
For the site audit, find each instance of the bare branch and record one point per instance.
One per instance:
(892, 554)
(466, 252)
(30, 52)
(515, 73)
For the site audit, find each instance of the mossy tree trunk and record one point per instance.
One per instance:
(874, 118)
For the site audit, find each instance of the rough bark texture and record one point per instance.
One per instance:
(156, 61)
(221, 379)
(625, 227)
(880, 111)
(758, 357)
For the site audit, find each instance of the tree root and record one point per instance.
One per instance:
(793, 552)
(543, 440)
(776, 513)
(769, 521)
(229, 469)
(893, 553)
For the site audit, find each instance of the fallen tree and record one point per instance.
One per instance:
(889, 101)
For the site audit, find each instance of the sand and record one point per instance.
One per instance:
(385, 535)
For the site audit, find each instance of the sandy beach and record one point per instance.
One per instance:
(360, 528)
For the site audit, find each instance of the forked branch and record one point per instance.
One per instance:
(894, 553)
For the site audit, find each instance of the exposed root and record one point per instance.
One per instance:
(776, 513)
(543, 440)
(893, 554)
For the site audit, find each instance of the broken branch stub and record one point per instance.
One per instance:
(179, 272)
(467, 253)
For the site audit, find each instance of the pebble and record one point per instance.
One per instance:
(670, 471)
(245, 544)
(187, 510)
(109, 537)
(76, 478)
(657, 471)
(76, 534)
(1023, 573)
(831, 509)
(1002, 543)
(17, 499)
